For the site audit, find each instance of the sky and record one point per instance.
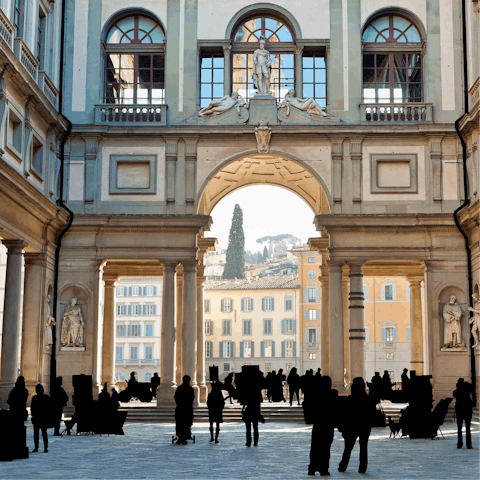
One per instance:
(267, 210)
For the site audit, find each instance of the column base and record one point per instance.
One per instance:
(203, 393)
(165, 395)
(5, 389)
(196, 389)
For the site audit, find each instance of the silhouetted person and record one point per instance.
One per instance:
(360, 412)
(278, 395)
(293, 381)
(252, 415)
(376, 387)
(155, 383)
(115, 400)
(386, 386)
(184, 397)
(17, 399)
(318, 373)
(463, 411)
(271, 379)
(228, 387)
(323, 428)
(215, 404)
(59, 400)
(405, 380)
(104, 399)
(40, 409)
(307, 384)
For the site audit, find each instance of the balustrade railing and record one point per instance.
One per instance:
(6, 29)
(114, 114)
(400, 113)
(47, 87)
(474, 93)
(26, 57)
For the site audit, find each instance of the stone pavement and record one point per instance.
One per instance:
(146, 451)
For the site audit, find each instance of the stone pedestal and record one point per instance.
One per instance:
(416, 331)
(263, 107)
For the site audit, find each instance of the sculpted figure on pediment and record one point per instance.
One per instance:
(308, 105)
(49, 322)
(217, 107)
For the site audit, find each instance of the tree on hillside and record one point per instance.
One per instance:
(265, 254)
(279, 244)
(235, 262)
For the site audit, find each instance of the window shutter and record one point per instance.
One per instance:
(129, 331)
(383, 292)
(384, 334)
(283, 326)
(394, 293)
(154, 291)
(273, 349)
(231, 304)
(222, 309)
(317, 335)
(211, 348)
(283, 349)
(263, 304)
(144, 291)
(317, 314)
(232, 349)
(252, 303)
(395, 335)
(294, 349)
(294, 326)
(408, 334)
(306, 314)
(273, 304)
(129, 291)
(306, 335)
(306, 295)
(317, 294)
(262, 349)
(243, 305)
(154, 309)
(242, 349)
(144, 309)
(252, 349)
(129, 310)
(220, 349)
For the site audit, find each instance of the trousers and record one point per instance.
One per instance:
(249, 432)
(322, 439)
(36, 432)
(468, 436)
(350, 440)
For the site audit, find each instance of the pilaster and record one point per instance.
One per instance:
(171, 157)
(346, 324)
(179, 326)
(325, 330)
(108, 349)
(227, 65)
(357, 180)
(435, 148)
(337, 173)
(190, 172)
(357, 325)
(298, 71)
(416, 328)
(3, 112)
(90, 184)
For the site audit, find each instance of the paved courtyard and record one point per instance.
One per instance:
(146, 451)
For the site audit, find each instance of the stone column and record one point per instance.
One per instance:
(179, 327)
(357, 327)
(201, 337)
(346, 324)
(12, 310)
(189, 333)
(337, 172)
(227, 70)
(298, 71)
(336, 328)
(325, 330)
(416, 331)
(167, 387)
(34, 323)
(108, 350)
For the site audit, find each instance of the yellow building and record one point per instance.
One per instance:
(252, 321)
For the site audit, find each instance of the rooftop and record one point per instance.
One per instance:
(267, 282)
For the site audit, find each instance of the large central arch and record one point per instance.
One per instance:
(253, 168)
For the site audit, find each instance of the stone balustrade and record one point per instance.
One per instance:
(26, 57)
(6, 29)
(474, 93)
(127, 362)
(400, 113)
(114, 114)
(47, 87)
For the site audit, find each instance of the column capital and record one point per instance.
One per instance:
(415, 280)
(35, 258)
(356, 269)
(169, 265)
(200, 281)
(227, 49)
(190, 267)
(14, 246)
(110, 280)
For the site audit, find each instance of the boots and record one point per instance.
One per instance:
(211, 433)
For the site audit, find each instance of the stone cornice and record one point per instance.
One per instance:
(469, 217)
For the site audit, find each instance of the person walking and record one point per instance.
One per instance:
(184, 397)
(252, 413)
(463, 411)
(59, 400)
(360, 412)
(41, 411)
(215, 404)
(293, 381)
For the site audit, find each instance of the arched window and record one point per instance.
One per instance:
(280, 44)
(148, 376)
(135, 62)
(392, 61)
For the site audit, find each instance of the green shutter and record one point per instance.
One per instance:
(294, 326)
(283, 326)
(243, 305)
(294, 349)
(317, 314)
(262, 349)
(242, 349)
(283, 349)
(273, 304)
(273, 349)
(253, 348)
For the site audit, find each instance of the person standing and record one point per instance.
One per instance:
(17, 399)
(184, 397)
(59, 400)
(293, 381)
(40, 409)
(463, 411)
(360, 411)
(215, 404)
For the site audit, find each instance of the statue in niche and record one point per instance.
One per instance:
(216, 107)
(263, 134)
(452, 330)
(475, 320)
(308, 105)
(262, 66)
(49, 322)
(72, 325)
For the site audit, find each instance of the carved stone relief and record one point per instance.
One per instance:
(452, 327)
(263, 133)
(475, 320)
(308, 105)
(72, 334)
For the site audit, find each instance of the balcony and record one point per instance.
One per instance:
(127, 115)
(397, 113)
(26, 57)
(129, 362)
(6, 30)
(47, 87)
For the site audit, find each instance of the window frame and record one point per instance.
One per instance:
(205, 101)
(389, 335)
(244, 323)
(314, 54)
(147, 326)
(226, 322)
(265, 320)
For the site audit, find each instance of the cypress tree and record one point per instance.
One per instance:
(235, 262)
(265, 254)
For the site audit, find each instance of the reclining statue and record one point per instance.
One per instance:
(308, 105)
(216, 107)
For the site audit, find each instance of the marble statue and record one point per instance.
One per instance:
(262, 66)
(308, 105)
(263, 133)
(452, 316)
(49, 322)
(475, 320)
(72, 325)
(216, 107)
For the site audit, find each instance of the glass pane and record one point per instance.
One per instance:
(308, 91)
(159, 76)
(252, 38)
(207, 62)
(322, 102)
(370, 35)
(158, 61)
(307, 62)
(383, 75)
(206, 90)
(399, 91)
(126, 24)
(400, 60)
(126, 93)
(369, 94)
(320, 90)
(273, 38)
(288, 75)
(241, 35)
(414, 60)
(257, 22)
(308, 75)
(320, 62)
(144, 61)
(415, 90)
(127, 61)
(204, 102)
(218, 90)
(111, 75)
(413, 35)
(368, 75)
(288, 60)
(218, 75)
(114, 35)
(368, 60)
(381, 61)
(158, 93)
(272, 24)
(381, 23)
(128, 37)
(206, 76)
(320, 75)
(218, 62)
(157, 35)
(284, 34)
(400, 23)
(400, 75)
(383, 93)
(144, 76)
(126, 76)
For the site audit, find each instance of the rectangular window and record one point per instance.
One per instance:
(135, 78)
(268, 349)
(311, 259)
(133, 330)
(312, 356)
(390, 356)
(37, 156)
(227, 305)
(121, 330)
(312, 294)
(226, 367)
(268, 367)
(40, 37)
(247, 327)
(14, 134)
(289, 348)
(267, 326)
(227, 349)
(119, 352)
(315, 78)
(289, 326)
(247, 349)
(149, 330)
(312, 336)
(389, 334)
(135, 291)
(312, 315)
(148, 352)
(133, 353)
(208, 327)
(212, 69)
(388, 292)
(288, 304)
(121, 309)
(288, 367)
(120, 291)
(227, 327)
(247, 304)
(208, 349)
(149, 309)
(311, 274)
(150, 291)
(18, 17)
(268, 304)
(136, 309)
(206, 303)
